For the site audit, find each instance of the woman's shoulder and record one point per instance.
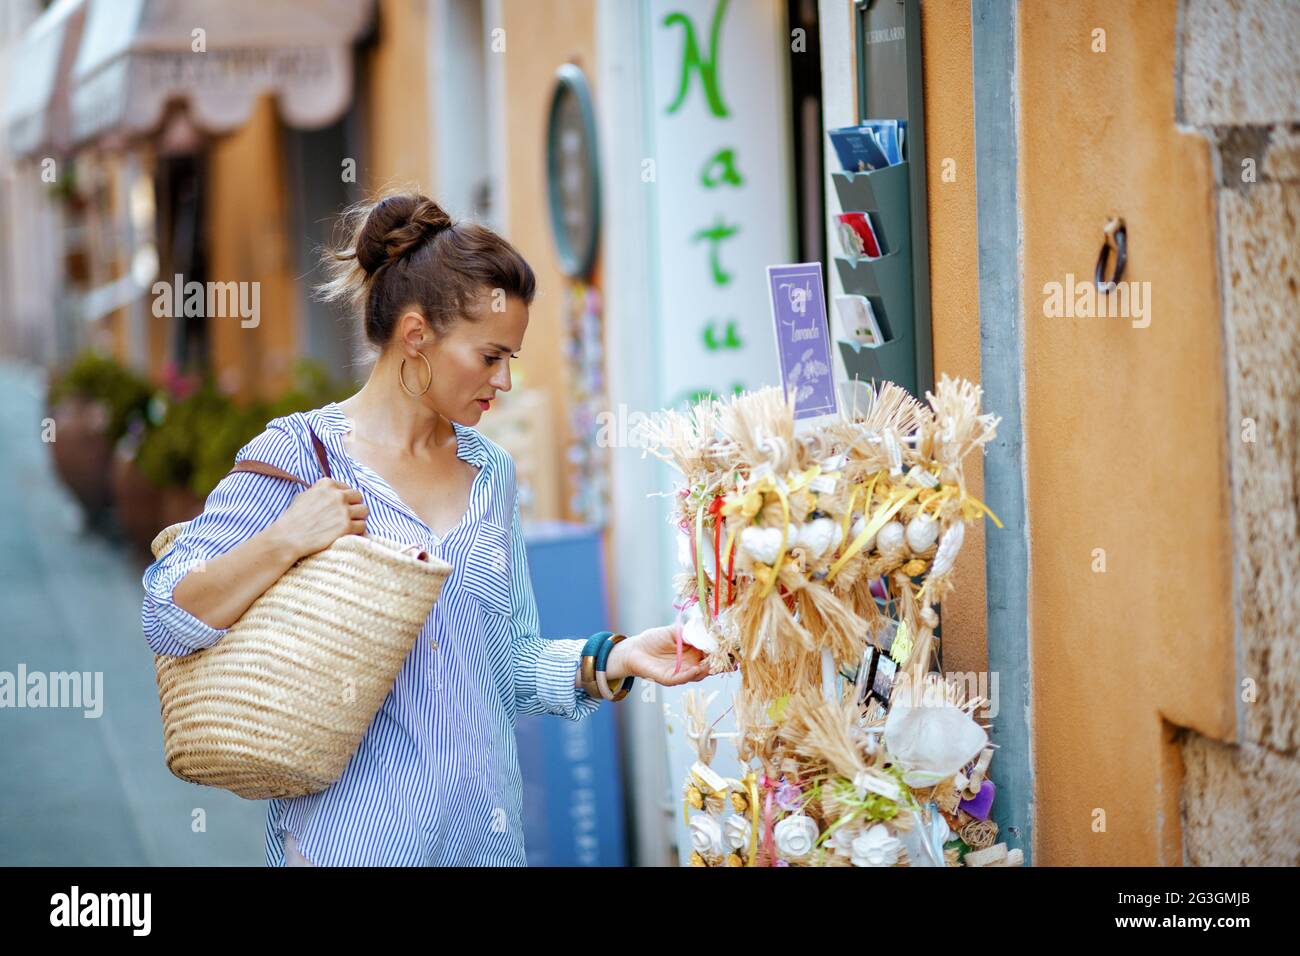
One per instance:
(280, 443)
(484, 451)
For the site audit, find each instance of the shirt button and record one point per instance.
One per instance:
(433, 643)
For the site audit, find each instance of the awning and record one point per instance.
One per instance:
(36, 98)
(218, 58)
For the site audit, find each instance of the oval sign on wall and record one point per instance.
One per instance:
(572, 172)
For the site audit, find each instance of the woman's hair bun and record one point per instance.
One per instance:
(442, 266)
(395, 227)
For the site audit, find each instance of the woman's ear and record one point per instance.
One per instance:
(411, 329)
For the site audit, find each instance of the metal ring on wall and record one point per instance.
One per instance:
(1117, 238)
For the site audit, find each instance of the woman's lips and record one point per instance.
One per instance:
(484, 404)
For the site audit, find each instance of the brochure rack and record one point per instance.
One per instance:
(898, 282)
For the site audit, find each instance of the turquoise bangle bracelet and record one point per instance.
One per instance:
(625, 683)
(602, 655)
(587, 664)
(595, 643)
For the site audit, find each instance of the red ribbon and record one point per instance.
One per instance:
(715, 509)
(678, 636)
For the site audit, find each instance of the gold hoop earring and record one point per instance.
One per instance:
(401, 376)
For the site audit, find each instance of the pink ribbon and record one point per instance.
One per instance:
(678, 635)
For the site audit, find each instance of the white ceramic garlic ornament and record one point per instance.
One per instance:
(761, 544)
(817, 536)
(922, 533)
(890, 538)
(859, 525)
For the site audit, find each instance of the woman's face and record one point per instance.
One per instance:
(471, 362)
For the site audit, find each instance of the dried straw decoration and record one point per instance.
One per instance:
(805, 552)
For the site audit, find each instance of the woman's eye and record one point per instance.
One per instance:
(491, 359)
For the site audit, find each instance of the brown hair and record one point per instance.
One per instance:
(403, 250)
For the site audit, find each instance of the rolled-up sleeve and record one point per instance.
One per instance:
(545, 670)
(242, 504)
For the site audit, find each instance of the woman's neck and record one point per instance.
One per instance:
(383, 415)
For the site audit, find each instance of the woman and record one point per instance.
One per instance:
(436, 777)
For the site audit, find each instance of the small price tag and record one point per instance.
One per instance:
(823, 484)
(708, 778)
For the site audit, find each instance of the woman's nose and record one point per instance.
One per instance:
(501, 380)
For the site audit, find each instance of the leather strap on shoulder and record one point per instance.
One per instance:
(263, 468)
(271, 471)
(319, 448)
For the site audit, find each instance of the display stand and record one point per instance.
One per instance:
(897, 283)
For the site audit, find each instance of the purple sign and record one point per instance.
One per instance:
(803, 341)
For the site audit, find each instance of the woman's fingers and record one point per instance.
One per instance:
(687, 675)
(691, 658)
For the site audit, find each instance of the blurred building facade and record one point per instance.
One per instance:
(125, 162)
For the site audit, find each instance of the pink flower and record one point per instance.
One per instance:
(177, 385)
(788, 796)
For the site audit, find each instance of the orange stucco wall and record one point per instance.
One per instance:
(247, 211)
(397, 101)
(1124, 437)
(248, 242)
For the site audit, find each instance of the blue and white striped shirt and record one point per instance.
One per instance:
(436, 778)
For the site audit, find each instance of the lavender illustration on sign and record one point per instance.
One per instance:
(803, 337)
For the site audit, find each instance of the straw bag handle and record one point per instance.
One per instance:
(271, 471)
(265, 468)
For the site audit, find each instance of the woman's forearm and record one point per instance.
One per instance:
(220, 591)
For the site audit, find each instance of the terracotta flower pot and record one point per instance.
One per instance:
(179, 504)
(139, 504)
(144, 509)
(83, 453)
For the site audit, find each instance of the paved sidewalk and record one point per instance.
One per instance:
(78, 790)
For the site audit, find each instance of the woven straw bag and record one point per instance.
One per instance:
(278, 706)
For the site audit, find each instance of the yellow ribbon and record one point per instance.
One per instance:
(747, 503)
(899, 498)
(848, 513)
(751, 782)
(871, 490)
(785, 534)
(799, 481)
(971, 507)
(967, 499)
(933, 496)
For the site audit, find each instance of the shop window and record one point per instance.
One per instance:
(180, 188)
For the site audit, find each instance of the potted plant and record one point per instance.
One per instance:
(190, 442)
(139, 501)
(91, 403)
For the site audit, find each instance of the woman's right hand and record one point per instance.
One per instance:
(321, 515)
